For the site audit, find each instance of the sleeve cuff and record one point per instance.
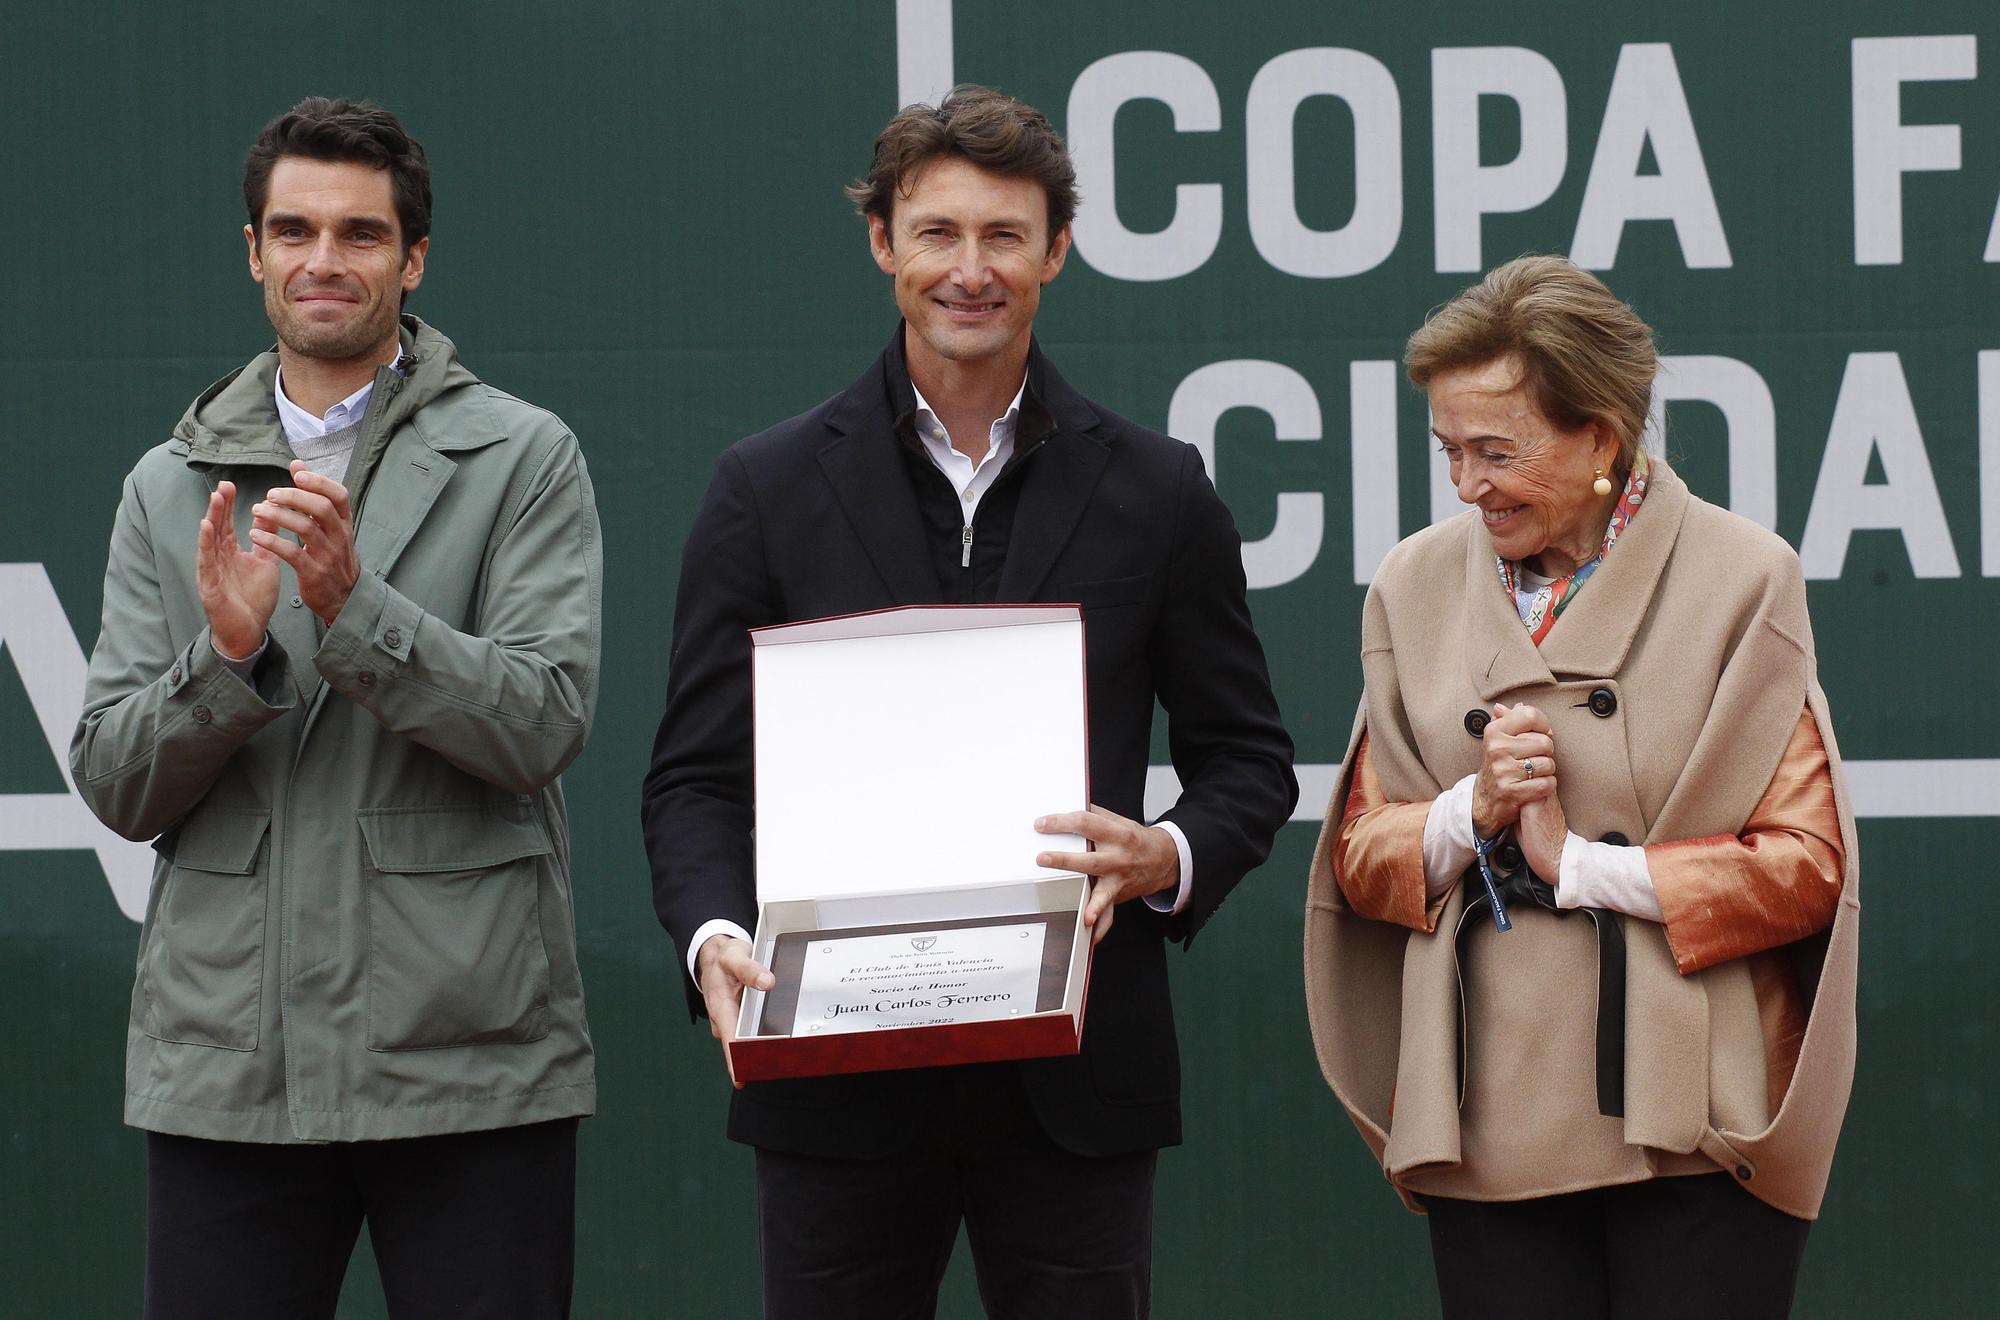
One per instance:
(703, 933)
(1448, 838)
(201, 682)
(1605, 875)
(373, 633)
(1172, 901)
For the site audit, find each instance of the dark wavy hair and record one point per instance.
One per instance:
(322, 129)
(991, 129)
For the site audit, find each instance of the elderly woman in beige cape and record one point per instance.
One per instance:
(1592, 716)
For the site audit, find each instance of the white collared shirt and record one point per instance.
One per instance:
(971, 480)
(302, 425)
(303, 431)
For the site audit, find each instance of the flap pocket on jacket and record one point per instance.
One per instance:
(456, 955)
(216, 838)
(201, 969)
(1107, 592)
(413, 840)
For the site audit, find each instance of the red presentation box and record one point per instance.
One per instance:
(902, 758)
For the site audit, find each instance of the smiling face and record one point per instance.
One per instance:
(330, 256)
(970, 251)
(1530, 480)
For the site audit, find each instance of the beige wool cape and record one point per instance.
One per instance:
(1696, 622)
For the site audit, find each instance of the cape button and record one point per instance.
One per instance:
(201, 715)
(393, 638)
(1616, 840)
(1476, 721)
(1603, 703)
(366, 678)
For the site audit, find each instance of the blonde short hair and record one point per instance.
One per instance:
(1585, 355)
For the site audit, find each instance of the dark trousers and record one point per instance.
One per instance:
(1665, 1249)
(1054, 1235)
(472, 1224)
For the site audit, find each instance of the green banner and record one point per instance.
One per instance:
(639, 224)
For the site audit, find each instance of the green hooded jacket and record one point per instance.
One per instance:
(360, 925)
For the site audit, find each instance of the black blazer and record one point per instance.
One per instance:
(818, 516)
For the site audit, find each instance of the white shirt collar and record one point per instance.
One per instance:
(302, 425)
(971, 480)
(1002, 433)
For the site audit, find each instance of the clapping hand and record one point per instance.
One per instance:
(238, 587)
(316, 511)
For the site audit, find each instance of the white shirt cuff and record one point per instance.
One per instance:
(1448, 838)
(1171, 901)
(701, 936)
(1606, 875)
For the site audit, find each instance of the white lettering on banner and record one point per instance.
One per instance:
(923, 51)
(1190, 237)
(1939, 789)
(1647, 101)
(1288, 398)
(1885, 148)
(1371, 414)
(1747, 411)
(1874, 414)
(34, 630)
(1280, 392)
(1462, 189)
(1364, 85)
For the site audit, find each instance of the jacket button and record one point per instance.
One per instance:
(201, 715)
(367, 678)
(1743, 1172)
(1509, 856)
(297, 601)
(1476, 721)
(394, 638)
(1603, 703)
(174, 674)
(1616, 840)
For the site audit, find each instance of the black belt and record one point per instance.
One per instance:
(1518, 886)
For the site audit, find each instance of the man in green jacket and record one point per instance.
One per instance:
(350, 642)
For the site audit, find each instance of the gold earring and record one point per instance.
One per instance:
(1603, 483)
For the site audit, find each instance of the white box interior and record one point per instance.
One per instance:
(902, 758)
(914, 749)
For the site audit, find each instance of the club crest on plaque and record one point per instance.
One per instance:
(922, 943)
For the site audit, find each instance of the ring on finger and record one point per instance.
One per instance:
(1528, 767)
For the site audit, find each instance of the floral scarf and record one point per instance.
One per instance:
(1549, 602)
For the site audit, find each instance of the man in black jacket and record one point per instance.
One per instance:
(961, 468)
